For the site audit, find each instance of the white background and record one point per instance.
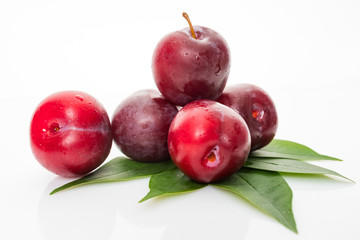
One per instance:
(305, 54)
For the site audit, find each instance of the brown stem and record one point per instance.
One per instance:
(186, 16)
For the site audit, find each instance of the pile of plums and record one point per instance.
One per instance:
(207, 130)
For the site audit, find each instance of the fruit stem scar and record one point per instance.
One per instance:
(211, 157)
(255, 114)
(54, 127)
(186, 16)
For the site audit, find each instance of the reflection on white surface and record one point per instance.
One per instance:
(111, 211)
(76, 214)
(203, 214)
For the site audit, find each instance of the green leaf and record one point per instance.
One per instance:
(266, 190)
(170, 182)
(289, 166)
(119, 169)
(291, 150)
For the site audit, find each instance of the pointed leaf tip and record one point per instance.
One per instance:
(268, 191)
(289, 166)
(291, 150)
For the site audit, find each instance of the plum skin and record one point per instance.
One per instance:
(140, 126)
(70, 133)
(257, 109)
(208, 141)
(187, 69)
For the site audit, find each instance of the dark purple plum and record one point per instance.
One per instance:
(257, 108)
(140, 126)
